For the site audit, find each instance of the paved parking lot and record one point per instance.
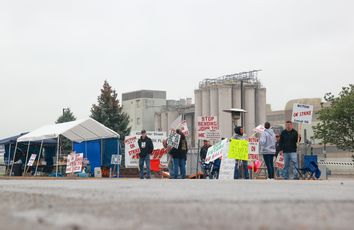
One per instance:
(181, 204)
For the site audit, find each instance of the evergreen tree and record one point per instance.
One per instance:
(66, 116)
(108, 111)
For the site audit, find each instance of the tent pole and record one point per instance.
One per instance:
(56, 170)
(118, 167)
(13, 161)
(28, 147)
(9, 157)
(85, 149)
(39, 157)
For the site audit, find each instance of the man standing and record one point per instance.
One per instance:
(267, 143)
(288, 146)
(146, 148)
(204, 150)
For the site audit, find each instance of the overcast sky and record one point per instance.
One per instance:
(56, 54)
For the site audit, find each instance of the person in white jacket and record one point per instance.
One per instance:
(267, 143)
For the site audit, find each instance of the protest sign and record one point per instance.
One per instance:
(2, 154)
(238, 149)
(173, 139)
(183, 127)
(132, 149)
(31, 160)
(253, 146)
(206, 123)
(227, 166)
(174, 125)
(159, 151)
(302, 113)
(279, 162)
(253, 157)
(74, 162)
(116, 159)
(259, 129)
(215, 151)
(212, 135)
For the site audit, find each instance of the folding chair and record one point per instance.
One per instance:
(310, 168)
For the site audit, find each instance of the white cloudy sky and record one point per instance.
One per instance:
(56, 54)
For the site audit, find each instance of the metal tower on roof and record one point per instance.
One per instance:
(249, 77)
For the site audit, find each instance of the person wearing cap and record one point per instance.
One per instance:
(204, 150)
(146, 148)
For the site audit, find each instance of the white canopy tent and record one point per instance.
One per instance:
(76, 131)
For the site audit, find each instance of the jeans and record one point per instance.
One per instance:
(170, 166)
(268, 160)
(290, 157)
(181, 165)
(145, 159)
(279, 172)
(245, 169)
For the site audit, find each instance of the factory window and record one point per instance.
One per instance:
(138, 121)
(138, 103)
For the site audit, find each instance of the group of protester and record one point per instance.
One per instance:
(286, 143)
(270, 146)
(177, 156)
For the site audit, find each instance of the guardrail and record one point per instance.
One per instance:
(336, 163)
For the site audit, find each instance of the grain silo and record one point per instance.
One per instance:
(241, 90)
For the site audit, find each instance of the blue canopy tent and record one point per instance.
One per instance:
(98, 152)
(27, 147)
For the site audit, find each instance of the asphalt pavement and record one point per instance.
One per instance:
(176, 204)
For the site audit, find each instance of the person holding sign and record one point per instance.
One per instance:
(239, 135)
(267, 143)
(179, 156)
(146, 148)
(204, 150)
(277, 148)
(288, 146)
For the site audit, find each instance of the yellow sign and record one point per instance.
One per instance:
(238, 150)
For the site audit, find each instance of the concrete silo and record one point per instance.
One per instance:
(238, 91)
(261, 102)
(206, 102)
(225, 102)
(250, 107)
(214, 102)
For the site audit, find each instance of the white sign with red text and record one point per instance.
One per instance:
(253, 146)
(74, 162)
(159, 151)
(205, 123)
(302, 113)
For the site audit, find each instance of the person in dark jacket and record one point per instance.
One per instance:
(288, 146)
(146, 148)
(180, 156)
(204, 150)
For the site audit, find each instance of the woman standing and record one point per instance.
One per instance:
(267, 143)
(239, 135)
